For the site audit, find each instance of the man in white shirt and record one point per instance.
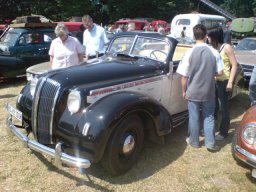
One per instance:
(94, 38)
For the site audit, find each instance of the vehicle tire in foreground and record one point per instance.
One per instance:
(124, 146)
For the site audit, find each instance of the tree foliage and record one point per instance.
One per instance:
(105, 11)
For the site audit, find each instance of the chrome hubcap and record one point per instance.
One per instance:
(129, 144)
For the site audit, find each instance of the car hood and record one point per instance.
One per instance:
(107, 72)
(246, 57)
(39, 68)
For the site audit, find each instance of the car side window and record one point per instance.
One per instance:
(151, 48)
(121, 45)
(49, 36)
(22, 39)
(30, 38)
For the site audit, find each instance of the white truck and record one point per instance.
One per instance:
(192, 19)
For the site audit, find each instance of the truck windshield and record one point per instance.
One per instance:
(9, 38)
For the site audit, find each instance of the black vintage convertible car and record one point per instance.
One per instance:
(103, 111)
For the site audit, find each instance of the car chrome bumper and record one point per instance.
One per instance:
(56, 153)
(250, 158)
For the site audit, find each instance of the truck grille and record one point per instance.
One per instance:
(43, 110)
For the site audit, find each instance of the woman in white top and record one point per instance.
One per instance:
(65, 51)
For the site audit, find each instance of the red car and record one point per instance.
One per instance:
(164, 24)
(244, 140)
(138, 24)
(72, 26)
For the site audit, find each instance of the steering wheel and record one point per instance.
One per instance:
(154, 54)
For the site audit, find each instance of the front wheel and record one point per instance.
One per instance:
(124, 146)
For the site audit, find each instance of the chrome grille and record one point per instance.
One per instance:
(43, 109)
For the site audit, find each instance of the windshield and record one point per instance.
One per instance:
(246, 44)
(10, 38)
(147, 47)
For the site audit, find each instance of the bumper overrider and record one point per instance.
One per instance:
(57, 154)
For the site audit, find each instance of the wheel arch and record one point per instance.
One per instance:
(107, 113)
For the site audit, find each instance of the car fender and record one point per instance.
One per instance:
(105, 114)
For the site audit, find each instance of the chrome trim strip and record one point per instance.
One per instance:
(56, 153)
(36, 101)
(249, 155)
(52, 113)
(121, 86)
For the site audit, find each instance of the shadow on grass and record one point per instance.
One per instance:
(237, 106)
(12, 82)
(250, 178)
(80, 182)
(9, 83)
(153, 158)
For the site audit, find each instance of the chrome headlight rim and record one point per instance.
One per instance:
(74, 101)
(249, 134)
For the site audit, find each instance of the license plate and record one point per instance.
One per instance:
(14, 112)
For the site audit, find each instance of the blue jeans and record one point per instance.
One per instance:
(252, 87)
(222, 97)
(207, 110)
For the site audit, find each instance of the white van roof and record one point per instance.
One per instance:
(190, 20)
(196, 16)
(189, 15)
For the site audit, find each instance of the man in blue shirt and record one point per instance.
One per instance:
(94, 38)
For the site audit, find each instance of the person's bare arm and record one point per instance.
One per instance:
(231, 55)
(80, 57)
(51, 60)
(184, 81)
(219, 73)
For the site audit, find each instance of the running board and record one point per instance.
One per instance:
(179, 119)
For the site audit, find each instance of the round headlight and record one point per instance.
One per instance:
(74, 101)
(33, 86)
(249, 133)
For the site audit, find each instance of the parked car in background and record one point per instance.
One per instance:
(245, 52)
(156, 23)
(137, 24)
(72, 26)
(244, 140)
(2, 28)
(1, 31)
(23, 45)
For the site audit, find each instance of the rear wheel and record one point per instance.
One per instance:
(124, 146)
